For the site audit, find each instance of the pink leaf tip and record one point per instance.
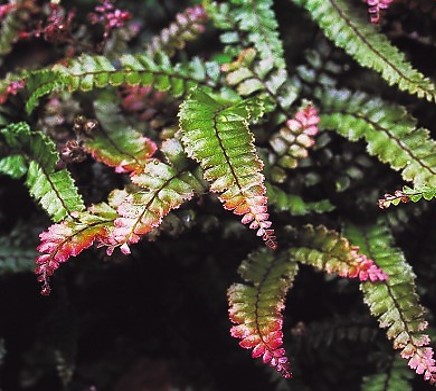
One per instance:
(62, 241)
(365, 269)
(306, 120)
(267, 346)
(296, 136)
(421, 360)
(375, 7)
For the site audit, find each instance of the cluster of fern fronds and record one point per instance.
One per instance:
(311, 129)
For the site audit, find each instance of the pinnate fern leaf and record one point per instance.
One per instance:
(250, 74)
(296, 136)
(329, 251)
(244, 75)
(187, 26)
(258, 21)
(40, 83)
(87, 72)
(163, 187)
(389, 131)
(406, 195)
(256, 306)
(55, 190)
(125, 218)
(115, 143)
(69, 238)
(248, 24)
(217, 136)
(251, 34)
(394, 301)
(348, 30)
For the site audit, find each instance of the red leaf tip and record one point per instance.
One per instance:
(365, 269)
(375, 7)
(421, 360)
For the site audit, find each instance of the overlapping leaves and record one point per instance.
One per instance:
(163, 187)
(351, 32)
(327, 250)
(390, 132)
(117, 144)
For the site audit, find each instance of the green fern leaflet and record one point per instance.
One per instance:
(35, 153)
(349, 31)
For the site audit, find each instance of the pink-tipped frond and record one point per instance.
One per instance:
(69, 238)
(256, 307)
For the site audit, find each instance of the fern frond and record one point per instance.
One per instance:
(349, 31)
(256, 307)
(282, 201)
(244, 75)
(257, 19)
(69, 238)
(54, 190)
(232, 38)
(292, 141)
(249, 23)
(394, 301)
(248, 74)
(389, 131)
(216, 135)
(188, 25)
(406, 195)
(89, 72)
(164, 187)
(394, 377)
(40, 83)
(115, 143)
(327, 250)
(251, 34)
